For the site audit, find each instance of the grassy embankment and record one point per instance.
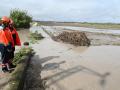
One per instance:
(21, 59)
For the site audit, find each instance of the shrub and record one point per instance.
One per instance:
(21, 18)
(19, 56)
(35, 37)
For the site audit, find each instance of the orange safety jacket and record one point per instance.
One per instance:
(3, 38)
(6, 37)
(16, 39)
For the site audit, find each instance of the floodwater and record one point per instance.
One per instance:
(66, 67)
(105, 31)
(35, 28)
(84, 68)
(24, 34)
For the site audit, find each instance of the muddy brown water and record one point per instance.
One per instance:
(85, 68)
(66, 67)
(24, 34)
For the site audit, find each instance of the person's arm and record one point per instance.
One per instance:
(17, 39)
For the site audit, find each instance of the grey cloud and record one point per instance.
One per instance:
(66, 10)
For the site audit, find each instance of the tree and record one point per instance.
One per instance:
(21, 18)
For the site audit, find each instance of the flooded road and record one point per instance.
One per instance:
(66, 67)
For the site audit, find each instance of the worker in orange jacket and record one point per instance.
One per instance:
(6, 43)
(16, 40)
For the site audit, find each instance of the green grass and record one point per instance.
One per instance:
(19, 56)
(34, 37)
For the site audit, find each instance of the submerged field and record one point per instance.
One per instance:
(82, 24)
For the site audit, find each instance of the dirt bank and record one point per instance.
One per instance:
(95, 38)
(75, 38)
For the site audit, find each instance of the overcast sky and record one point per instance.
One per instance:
(66, 10)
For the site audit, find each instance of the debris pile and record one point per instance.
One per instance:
(76, 38)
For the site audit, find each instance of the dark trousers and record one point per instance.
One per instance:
(6, 56)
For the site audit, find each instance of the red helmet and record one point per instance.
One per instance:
(5, 19)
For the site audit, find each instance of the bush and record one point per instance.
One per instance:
(21, 18)
(35, 37)
(19, 56)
